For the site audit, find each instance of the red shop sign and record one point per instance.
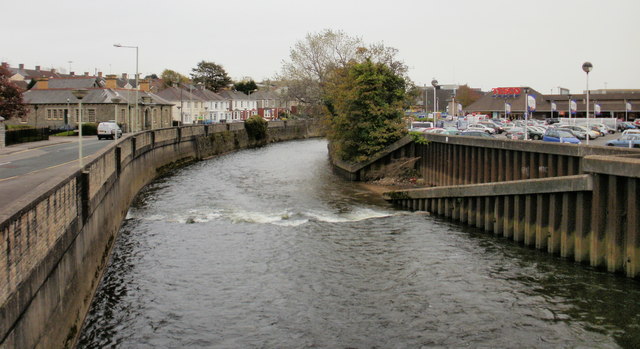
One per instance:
(501, 91)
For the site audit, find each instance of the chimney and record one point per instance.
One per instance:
(42, 83)
(53, 71)
(124, 76)
(86, 73)
(5, 65)
(144, 85)
(112, 81)
(99, 74)
(21, 66)
(37, 68)
(72, 73)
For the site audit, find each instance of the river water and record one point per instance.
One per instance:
(267, 248)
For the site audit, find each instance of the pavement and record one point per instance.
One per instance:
(15, 148)
(18, 192)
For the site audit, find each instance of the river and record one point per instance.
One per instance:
(267, 248)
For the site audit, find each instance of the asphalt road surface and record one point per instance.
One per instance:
(24, 168)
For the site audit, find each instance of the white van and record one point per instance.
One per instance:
(108, 130)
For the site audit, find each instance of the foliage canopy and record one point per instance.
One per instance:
(11, 104)
(171, 77)
(364, 109)
(245, 87)
(212, 75)
(312, 61)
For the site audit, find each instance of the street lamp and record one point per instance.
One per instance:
(434, 83)
(587, 67)
(80, 94)
(136, 47)
(116, 100)
(526, 113)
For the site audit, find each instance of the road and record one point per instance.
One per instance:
(25, 167)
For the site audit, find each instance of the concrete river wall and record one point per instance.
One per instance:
(577, 202)
(54, 250)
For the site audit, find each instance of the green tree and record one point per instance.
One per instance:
(11, 104)
(245, 87)
(171, 77)
(364, 109)
(212, 75)
(312, 60)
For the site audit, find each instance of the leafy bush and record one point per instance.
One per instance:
(256, 128)
(89, 129)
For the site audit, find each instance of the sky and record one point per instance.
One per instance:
(482, 43)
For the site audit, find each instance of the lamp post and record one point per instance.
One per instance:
(587, 67)
(136, 47)
(526, 113)
(434, 83)
(116, 100)
(80, 94)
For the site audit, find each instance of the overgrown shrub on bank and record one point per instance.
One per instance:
(256, 128)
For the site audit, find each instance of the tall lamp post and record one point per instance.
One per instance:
(116, 100)
(526, 113)
(136, 47)
(434, 83)
(587, 67)
(80, 94)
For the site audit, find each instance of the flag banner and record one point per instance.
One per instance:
(531, 101)
(574, 107)
(628, 106)
(596, 109)
(507, 108)
(554, 107)
(459, 108)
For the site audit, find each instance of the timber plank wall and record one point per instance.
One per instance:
(54, 249)
(577, 202)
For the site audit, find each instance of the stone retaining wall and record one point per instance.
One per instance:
(54, 250)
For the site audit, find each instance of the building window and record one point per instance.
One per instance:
(91, 115)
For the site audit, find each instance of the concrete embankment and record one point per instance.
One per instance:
(54, 249)
(577, 202)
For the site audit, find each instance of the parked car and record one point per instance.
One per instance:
(628, 140)
(108, 129)
(476, 134)
(560, 136)
(534, 132)
(580, 131)
(498, 129)
(481, 127)
(631, 131)
(626, 125)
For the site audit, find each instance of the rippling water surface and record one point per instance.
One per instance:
(266, 248)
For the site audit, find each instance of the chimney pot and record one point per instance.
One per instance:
(21, 66)
(86, 73)
(72, 73)
(99, 74)
(37, 67)
(124, 76)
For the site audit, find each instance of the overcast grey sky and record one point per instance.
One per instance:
(490, 43)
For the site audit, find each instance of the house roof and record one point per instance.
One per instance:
(95, 96)
(74, 82)
(233, 95)
(176, 94)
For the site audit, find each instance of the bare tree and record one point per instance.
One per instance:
(312, 59)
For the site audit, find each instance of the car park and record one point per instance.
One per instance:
(560, 136)
(109, 130)
(628, 140)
